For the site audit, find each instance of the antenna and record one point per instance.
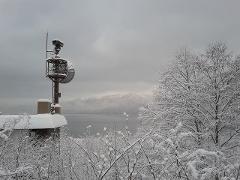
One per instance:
(46, 45)
(58, 70)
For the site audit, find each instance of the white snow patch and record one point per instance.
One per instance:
(39, 121)
(43, 100)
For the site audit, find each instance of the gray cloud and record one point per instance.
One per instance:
(115, 45)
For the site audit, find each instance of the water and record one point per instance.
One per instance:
(91, 124)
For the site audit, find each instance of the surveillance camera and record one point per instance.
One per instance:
(58, 45)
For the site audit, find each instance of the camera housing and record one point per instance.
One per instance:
(58, 45)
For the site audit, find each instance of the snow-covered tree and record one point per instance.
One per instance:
(200, 92)
(27, 157)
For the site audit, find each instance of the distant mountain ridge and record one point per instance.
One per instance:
(108, 104)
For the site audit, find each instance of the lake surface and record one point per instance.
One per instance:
(91, 124)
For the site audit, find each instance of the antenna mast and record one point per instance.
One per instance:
(58, 70)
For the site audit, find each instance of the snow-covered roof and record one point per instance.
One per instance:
(43, 100)
(39, 121)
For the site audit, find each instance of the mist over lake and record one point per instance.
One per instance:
(91, 124)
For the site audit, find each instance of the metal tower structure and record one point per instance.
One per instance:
(58, 70)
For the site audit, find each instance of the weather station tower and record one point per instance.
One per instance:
(58, 70)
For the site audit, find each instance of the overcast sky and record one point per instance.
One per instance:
(116, 45)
